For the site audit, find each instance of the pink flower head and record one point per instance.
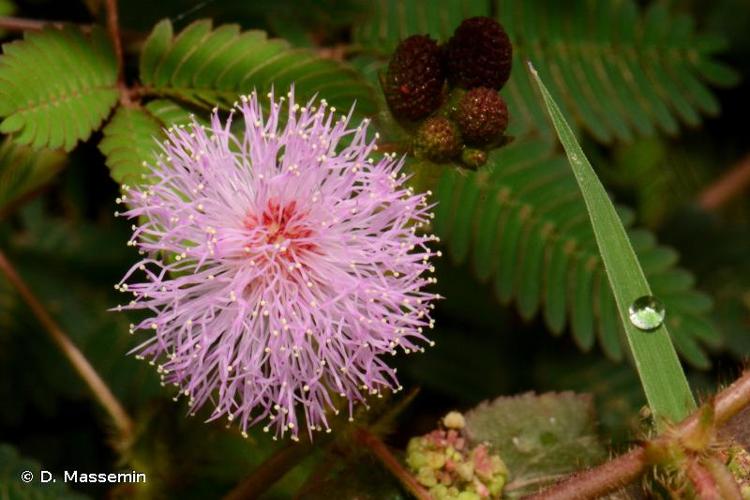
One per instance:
(280, 264)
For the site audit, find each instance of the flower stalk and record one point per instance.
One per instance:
(270, 471)
(381, 451)
(81, 365)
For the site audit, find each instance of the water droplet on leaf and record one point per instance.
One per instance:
(647, 313)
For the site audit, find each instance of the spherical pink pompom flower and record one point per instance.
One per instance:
(281, 263)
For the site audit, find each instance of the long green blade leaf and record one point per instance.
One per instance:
(662, 377)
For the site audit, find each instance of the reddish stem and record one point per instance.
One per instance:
(81, 365)
(702, 481)
(620, 471)
(728, 186)
(18, 24)
(600, 480)
(270, 471)
(380, 450)
(113, 27)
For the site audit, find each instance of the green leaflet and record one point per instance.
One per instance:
(662, 378)
(22, 170)
(208, 67)
(391, 21)
(522, 224)
(616, 71)
(130, 139)
(56, 86)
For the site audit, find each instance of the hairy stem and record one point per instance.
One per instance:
(381, 451)
(600, 480)
(270, 471)
(727, 187)
(620, 471)
(81, 365)
(703, 482)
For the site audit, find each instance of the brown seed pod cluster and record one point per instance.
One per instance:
(479, 54)
(448, 94)
(414, 82)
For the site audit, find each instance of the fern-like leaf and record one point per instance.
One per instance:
(23, 170)
(56, 86)
(208, 67)
(130, 140)
(618, 72)
(523, 224)
(390, 21)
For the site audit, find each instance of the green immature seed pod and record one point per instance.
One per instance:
(438, 139)
(473, 158)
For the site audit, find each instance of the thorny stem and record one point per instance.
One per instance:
(270, 471)
(728, 186)
(381, 451)
(620, 471)
(91, 378)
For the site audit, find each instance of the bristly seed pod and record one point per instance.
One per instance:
(438, 139)
(479, 54)
(482, 116)
(415, 77)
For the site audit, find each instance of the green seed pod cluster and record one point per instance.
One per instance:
(448, 95)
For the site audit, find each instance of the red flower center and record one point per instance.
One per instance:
(284, 226)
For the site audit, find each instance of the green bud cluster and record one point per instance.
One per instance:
(444, 464)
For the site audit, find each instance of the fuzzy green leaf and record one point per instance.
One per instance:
(615, 388)
(56, 86)
(208, 67)
(539, 437)
(23, 170)
(525, 198)
(130, 139)
(662, 377)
